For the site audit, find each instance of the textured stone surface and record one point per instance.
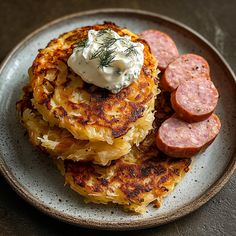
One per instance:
(213, 19)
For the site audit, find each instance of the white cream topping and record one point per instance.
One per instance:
(107, 60)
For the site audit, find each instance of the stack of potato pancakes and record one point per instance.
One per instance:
(103, 143)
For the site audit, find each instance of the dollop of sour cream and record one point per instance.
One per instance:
(107, 60)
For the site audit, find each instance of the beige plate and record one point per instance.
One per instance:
(33, 175)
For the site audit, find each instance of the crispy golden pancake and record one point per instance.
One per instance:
(59, 142)
(86, 111)
(134, 181)
(141, 177)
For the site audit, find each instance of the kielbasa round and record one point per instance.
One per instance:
(162, 47)
(195, 100)
(178, 138)
(185, 67)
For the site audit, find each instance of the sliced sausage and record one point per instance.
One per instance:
(195, 100)
(185, 67)
(162, 46)
(178, 138)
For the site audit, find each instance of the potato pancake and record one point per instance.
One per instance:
(134, 181)
(59, 142)
(89, 112)
(141, 177)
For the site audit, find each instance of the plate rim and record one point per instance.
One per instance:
(135, 224)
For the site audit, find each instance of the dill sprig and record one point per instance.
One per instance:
(97, 53)
(107, 43)
(106, 58)
(105, 53)
(131, 50)
(82, 43)
(103, 31)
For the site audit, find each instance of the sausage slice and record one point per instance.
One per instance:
(185, 67)
(178, 138)
(162, 46)
(195, 100)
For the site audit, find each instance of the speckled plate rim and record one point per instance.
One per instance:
(135, 224)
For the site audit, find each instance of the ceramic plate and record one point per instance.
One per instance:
(33, 175)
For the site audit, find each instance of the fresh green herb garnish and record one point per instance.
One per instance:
(97, 53)
(105, 53)
(103, 31)
(107, 43)
(131, 50)
(82, 43)
(105, 58)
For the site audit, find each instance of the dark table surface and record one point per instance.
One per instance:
(214, 19)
